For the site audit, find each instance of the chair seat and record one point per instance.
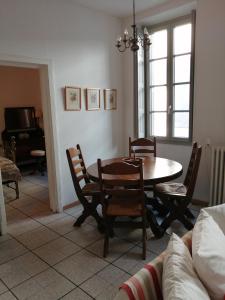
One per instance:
(90, 189)
(124, 207)
(37, 153)
(171, 188)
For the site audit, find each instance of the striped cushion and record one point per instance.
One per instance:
(146, 284)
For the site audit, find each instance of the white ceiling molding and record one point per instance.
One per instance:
(119, 8)
(164, 12)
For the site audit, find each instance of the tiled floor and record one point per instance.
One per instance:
(45, 257)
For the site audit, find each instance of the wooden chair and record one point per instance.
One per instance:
(121, 184)
(177, 196)
(85, 191)
(142, 146)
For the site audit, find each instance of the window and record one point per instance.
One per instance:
(165, 82)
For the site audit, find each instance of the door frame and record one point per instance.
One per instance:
(46, 70)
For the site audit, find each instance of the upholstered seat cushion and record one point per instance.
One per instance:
(37, 153)
(9, 170)
(90, 189)
(172, 188)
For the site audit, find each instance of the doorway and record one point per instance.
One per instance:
(49, 121)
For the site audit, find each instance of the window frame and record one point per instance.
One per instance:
(170, 25)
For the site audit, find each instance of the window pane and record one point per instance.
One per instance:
(158, 72)
(181, 125)
(182, 68)
(158, 98)
(158, 47)
(182, 39)
(141, 125)
(182, 97)
(158, 122)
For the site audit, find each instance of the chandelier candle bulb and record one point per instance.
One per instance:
(146, 31)
(133, 41)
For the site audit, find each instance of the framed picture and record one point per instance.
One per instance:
(93, 99)
(72, 98)
(110, 99)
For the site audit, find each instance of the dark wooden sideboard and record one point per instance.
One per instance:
(17, 144)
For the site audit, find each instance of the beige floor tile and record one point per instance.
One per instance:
(94, 286)
(47, 285)
(132, 261)
(4, 238)
(10, 249)
(3, 288)
(63, 225)
(7, 296)
(116, 248)
(74, 211)
(30, 263)
(80, 266)
(77, 294)
(22, 225)
(34, 208)
(108, 293)
(42, 196)
(84, 235)
(13, 215)
(46, 217)
(20, 269)
(37, 237)
(132, 235)
(24, 200)
(31, 188)
(157, 245)
(57, 250)
(113, 275)
(27, 289)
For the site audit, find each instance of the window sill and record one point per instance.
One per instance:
(185, 142)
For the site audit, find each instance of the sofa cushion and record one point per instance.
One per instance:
(208, 251)
(218, 214)
(179, 279)
(147, 282)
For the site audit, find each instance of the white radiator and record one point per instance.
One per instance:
(217, 180)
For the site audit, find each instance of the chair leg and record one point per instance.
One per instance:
(106, 240)
(187, 224)
(80, 220)
(189, 214)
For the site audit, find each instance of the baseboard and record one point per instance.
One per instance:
(71, 205)
(200, 202)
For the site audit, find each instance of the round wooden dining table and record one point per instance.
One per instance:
(155, 170)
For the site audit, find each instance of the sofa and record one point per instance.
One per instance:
(146, 284)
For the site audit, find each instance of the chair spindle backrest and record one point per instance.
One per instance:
(193, 170)
(77, 167)
(121, 179)
(190, 165)
(142, 146)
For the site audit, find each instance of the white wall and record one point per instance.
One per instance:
(80, 44)
(209, 99)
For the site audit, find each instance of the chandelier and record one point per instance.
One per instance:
(135, 40)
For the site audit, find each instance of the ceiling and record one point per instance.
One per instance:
(119, 8)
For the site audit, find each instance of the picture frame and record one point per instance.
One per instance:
(72, 98)
(110, 99)
(93, 99)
